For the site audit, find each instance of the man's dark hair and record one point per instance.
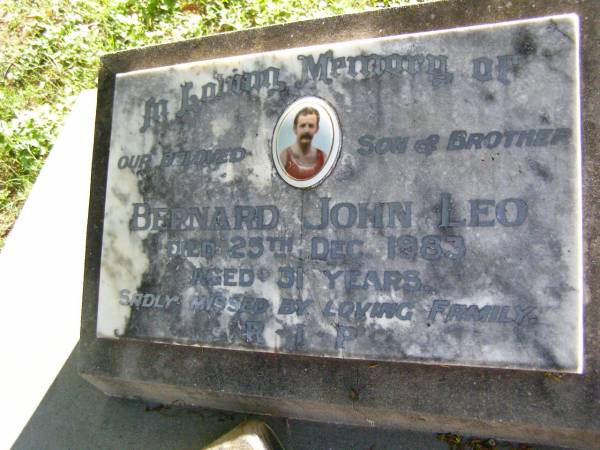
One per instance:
(307, 112)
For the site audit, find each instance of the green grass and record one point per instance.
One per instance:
(49, 52)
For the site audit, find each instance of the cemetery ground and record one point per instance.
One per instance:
(49, 53)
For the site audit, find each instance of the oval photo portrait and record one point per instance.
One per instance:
(306, 142)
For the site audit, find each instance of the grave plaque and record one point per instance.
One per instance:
(407, 198)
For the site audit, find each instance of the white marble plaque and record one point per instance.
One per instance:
(409, 198)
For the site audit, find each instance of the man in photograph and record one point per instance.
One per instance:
(301, 160)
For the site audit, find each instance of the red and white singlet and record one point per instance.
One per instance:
(300, 173)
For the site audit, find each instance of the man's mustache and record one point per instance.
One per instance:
(306, 136)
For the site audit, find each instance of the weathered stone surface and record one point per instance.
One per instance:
(389, 394)
(448, 229)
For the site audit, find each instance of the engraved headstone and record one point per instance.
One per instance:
(363, 219)
(408, 198)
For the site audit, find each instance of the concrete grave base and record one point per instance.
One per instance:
(517, 405)
(69, 414)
